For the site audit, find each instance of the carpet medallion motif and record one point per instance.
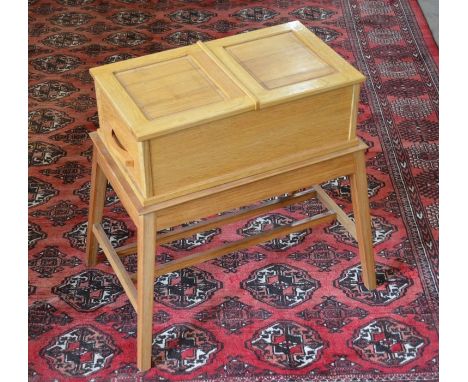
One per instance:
(291, 309)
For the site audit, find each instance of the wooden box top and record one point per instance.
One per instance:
(179, 88)
(284, 62)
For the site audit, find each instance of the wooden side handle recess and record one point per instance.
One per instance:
(121, 150)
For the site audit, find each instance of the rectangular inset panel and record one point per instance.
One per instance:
(279, 60)
(169, 87)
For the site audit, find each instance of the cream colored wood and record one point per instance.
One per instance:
(97, 197)
(341, 216)
(247, 56)
(145, 289)
(135, 204)
(216, 60)
(219, 198)
(272, 66)
(117, 266)
(127, 249)
(230, 195)
(190, 132)
(144, 156)
(363, 220)
(324, 162)
(354, 111)
(165, 92)
(211, 101)
(116, 178)
(170, 124)
(122, 105)
(169, 87)
(222, 151)
(122, 144)
(251, 192)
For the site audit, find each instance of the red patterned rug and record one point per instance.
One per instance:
(292, 309)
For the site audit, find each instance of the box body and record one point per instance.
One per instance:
(191, 118)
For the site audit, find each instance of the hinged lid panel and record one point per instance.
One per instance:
(169, 87)
(283, 62)
(170, 90)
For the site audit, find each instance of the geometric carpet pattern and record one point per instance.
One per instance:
(291, 309)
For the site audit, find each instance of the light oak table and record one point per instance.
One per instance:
(198, 130)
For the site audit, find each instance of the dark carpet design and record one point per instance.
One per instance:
(292, 309)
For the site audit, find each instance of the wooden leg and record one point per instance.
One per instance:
(362, 219)
(146, 248)
(96, 207)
